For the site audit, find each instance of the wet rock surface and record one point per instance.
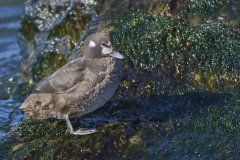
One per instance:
(171, 56)
(125, 130)
(179, 95)
(45, 26)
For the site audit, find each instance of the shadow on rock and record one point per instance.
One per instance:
(158, 109)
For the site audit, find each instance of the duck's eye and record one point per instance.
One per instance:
(104, 45)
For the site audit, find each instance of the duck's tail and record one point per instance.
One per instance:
(38, 106)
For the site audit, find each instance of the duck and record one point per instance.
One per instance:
(80, 86)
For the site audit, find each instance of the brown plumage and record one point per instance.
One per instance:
(79, 87)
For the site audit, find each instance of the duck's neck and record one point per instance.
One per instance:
(92, 53)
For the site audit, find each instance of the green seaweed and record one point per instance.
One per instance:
(43, 61)
(46, 140)
(205, 56)
(196, 12)
(28, 29)
(46, 63)
(73, 24)
(194, 133)
(211, 133)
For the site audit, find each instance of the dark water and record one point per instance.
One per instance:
(10, 15)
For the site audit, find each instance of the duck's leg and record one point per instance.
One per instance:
(81, 131)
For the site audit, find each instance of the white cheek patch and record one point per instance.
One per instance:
(106, 50)
(92, 44)
(109, 43)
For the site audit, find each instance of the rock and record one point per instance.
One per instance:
(164, 55)
(45, 25)
(128, 131)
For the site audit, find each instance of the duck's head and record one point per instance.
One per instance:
(99, 45)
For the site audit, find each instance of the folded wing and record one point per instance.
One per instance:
(63, 79)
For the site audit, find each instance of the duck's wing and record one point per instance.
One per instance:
(64, 78)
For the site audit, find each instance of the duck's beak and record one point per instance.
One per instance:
(111, 52)
(116, 55)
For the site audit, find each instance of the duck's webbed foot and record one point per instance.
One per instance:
(81, 131)
(84, 131)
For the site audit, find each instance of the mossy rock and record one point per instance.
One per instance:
(192, 12)
(211, 133)
(47, 140)
(42, 60)
(197, 12)
(73, 24)
(164, 55)
(126, 131)
(28, 29)
(204, 131)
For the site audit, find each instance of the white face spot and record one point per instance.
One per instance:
(109, 43)
(92, 44)
(106, 50)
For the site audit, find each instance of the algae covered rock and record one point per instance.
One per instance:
(192, 12)
(211, 133)
(165, 56)
(196, 12)
(124, 131)
(36, 140)
(45, 27)
(123, 144)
